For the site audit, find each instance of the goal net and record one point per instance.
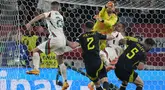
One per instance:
(144, 18)
(9, 34)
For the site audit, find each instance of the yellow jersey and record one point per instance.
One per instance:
(29, 41)
(109, 21)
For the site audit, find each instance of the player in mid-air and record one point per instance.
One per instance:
(112, 51)
(134, 57)
(105, 21)
(56, 42)
(109, 55)
(95, 69)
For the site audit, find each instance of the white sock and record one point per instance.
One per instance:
(63, 71)
(36, 60)
(31, 64)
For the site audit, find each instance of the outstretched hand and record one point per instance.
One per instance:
(28, 26)
(97, 18)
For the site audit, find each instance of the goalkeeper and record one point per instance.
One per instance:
(106, 19)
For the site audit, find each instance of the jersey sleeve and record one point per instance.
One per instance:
(114, 34)
(102, 12)
(121, 36)
(131, 38)
(101, 36)
(129, 42)
(46, 14)
(143, 58)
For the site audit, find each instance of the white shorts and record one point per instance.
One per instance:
(109, 53)
(56, 44)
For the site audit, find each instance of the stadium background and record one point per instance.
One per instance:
(143, 18)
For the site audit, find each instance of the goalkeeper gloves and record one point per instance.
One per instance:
(98, 18)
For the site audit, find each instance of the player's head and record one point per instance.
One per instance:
(111, 7)
(120, 27)
(148, 44)
(55, 5)
(89, 26)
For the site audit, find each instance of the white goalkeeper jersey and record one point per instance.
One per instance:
(55, 23)
(115, 41)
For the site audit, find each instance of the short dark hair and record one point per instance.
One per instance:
(55, 3)
(89, 24)
(150, 41)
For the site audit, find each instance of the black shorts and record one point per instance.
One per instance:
(96, 72)
(125, 75)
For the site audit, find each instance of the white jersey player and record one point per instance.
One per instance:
(111, 53)
(118, 36)
(56, 42)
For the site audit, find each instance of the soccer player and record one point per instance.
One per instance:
(118, 33)
(133, 58)
(95, 69)
(112, 51)
(56, 42)
(106, 19)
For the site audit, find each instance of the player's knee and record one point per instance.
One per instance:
(124, 84)
(140, 84)
(139, 88)
(59, 59)
(35, 54)
(97, 84)
(104, 79)
(36, 50)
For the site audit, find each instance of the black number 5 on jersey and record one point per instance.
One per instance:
(89, 45)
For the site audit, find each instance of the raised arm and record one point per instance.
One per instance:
(110, 37)
(110, 4)
(102, 12)
(105, 37)
(112, 21)
(108, 22)
(35, 19)
(73, 45)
